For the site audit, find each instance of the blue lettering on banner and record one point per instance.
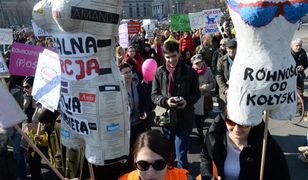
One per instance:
(65, 133)
(113, 127)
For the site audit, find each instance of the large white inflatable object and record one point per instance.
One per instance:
(93, 103)
(263, 75)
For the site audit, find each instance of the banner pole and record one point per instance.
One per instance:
(36, 149)
(266, 119)
(92, 176)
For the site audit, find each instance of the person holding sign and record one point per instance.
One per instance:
(234, 151)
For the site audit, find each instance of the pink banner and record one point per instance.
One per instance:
(23, 59)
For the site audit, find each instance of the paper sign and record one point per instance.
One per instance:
(24, 58)
(134, 27)
(197, 20)
(10, 111)
(46, 87)
(180, 22)
(149, 26)
(6, 36)
(212, 18)
(38, 31)
(4, 72)
(123, 36)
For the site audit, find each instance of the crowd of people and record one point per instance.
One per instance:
(191, 68)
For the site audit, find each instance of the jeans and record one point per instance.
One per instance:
(178, 136)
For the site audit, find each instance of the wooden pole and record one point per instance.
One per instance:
(36, 149)
(266, 119)
(92, 176)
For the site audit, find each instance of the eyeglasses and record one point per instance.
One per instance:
(232, 123)
(26, 87)
(157, 165)
(222, 44)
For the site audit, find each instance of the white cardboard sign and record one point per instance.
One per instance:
(123, 36)
(10, 111)
(6, 36)
(4, 72)
(197, 20)
(46, 87)
(39, 31)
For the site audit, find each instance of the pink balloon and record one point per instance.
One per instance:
(149, 67)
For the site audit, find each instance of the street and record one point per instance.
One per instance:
(288, 136)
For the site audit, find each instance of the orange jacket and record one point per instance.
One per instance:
(172, 174)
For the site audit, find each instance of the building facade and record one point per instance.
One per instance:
(16, 12)
(162, 8)
(137, 9)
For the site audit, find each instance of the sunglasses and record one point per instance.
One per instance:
(157, 165)
(26, 87)
(232, 123)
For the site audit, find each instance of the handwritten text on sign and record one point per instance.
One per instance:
(278, 87)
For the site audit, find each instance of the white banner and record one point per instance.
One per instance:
(212, 18)
(46, 87)
(149, 27)
(197, 20)
(123, 36)
(6, 36)
(10, 111)
(4, 72)
(38, 31)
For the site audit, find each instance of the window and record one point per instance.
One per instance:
(144, 10)
(137, 10)
(130, 10)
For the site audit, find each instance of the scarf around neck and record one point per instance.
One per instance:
(200, 71)
(171, 84)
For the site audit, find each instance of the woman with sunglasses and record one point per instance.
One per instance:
(154, 160)
(234, 151)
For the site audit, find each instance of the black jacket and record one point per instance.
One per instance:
(300, 58)
(187, 86)
(215, 148)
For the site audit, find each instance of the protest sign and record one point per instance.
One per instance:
(134, 27)
(180, 22)
(149, 27)
(38, 32)
(24, 58)
(46, 87)
(123, 36)
(4, 72)
(197, 20)
(6, 36)
(212, 18)
(10, 111)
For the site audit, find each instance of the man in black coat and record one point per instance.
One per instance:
(176, 87)
(300, 57)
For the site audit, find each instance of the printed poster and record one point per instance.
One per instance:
(6, 36)
(180, 22)
(212, 18)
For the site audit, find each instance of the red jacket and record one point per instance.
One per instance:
(187, 43)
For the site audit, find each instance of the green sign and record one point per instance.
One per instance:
(180, 22)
